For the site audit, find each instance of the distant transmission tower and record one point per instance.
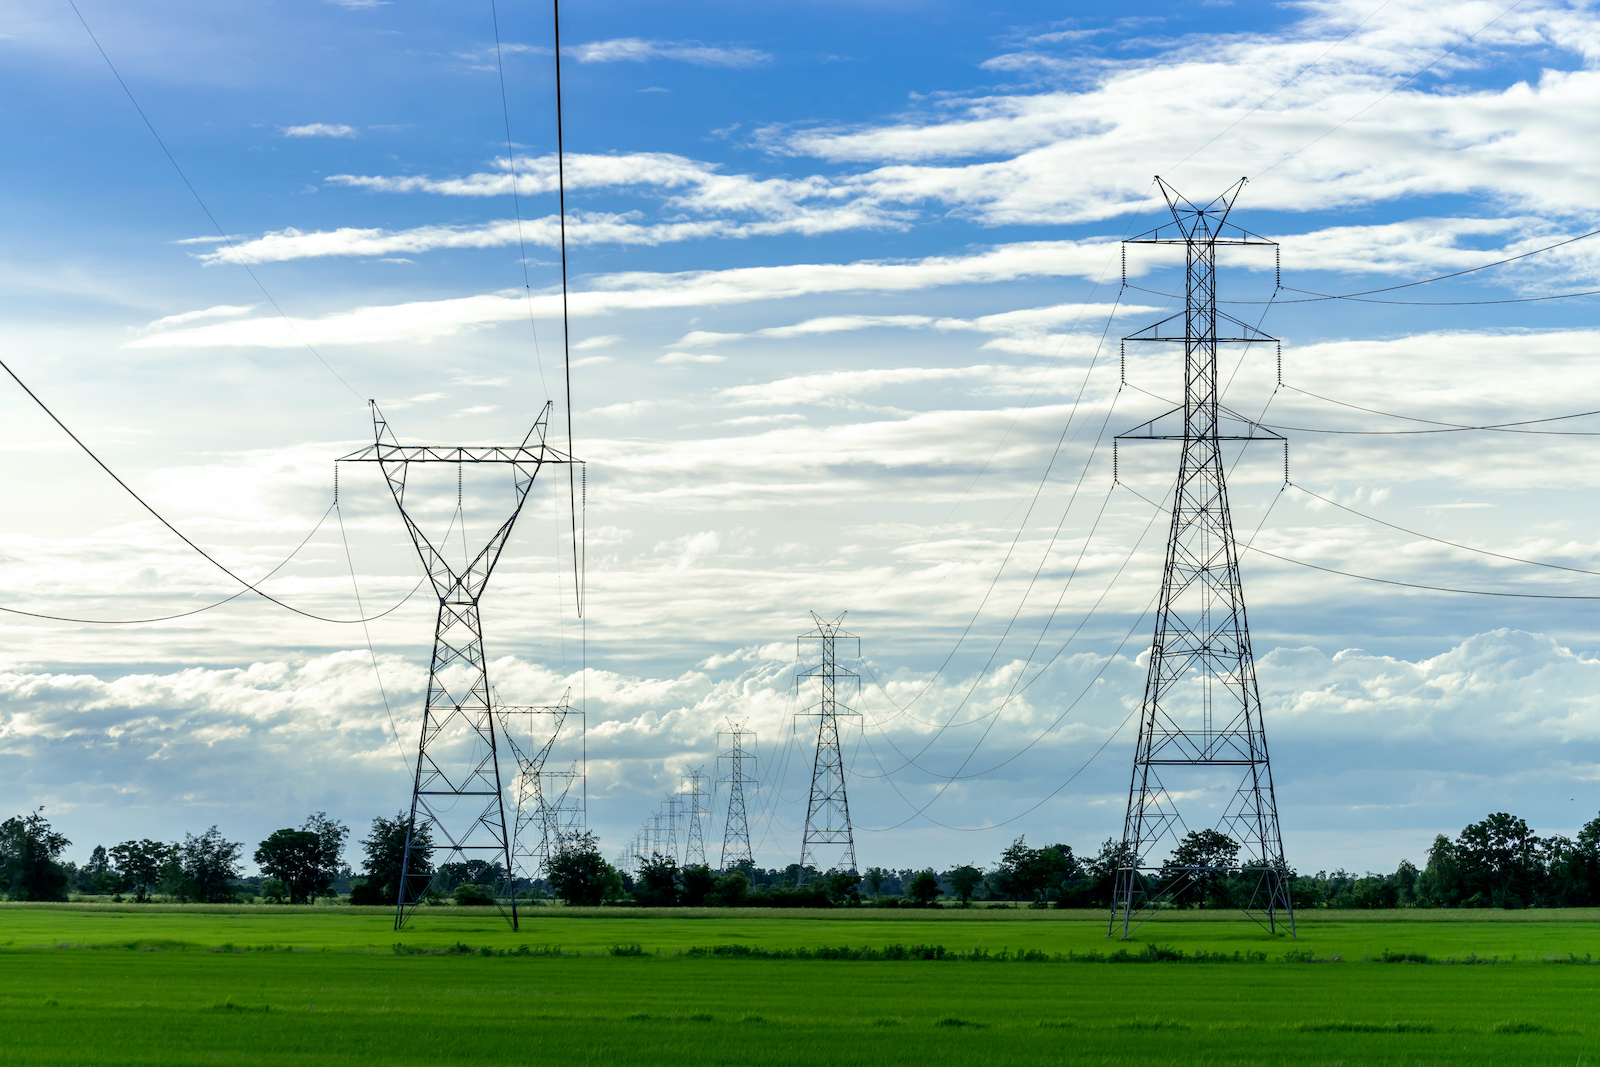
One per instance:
(737, 771)
(549, 802)
(1201, 704)
(828, 809)
(674, 818)
(457, 795)
(694, 842)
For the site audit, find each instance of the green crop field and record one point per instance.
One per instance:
(191, 985)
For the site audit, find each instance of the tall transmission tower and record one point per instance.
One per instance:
(1201, 706)
(674, 818)
(734, 760)
(828, 808)
(694, 840)
(457, 795)
(549, 802)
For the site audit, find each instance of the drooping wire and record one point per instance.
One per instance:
(1447, 427)
(1429, 588)
(566, 329)
(252, 587)
(516, 196)
(1440, 540)
(371, 652)
(195, 611)
(223, 234)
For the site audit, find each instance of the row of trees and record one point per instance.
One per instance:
(298, 864)
(1498, 862)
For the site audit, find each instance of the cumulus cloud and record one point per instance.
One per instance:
(638, 50)
(157, 753)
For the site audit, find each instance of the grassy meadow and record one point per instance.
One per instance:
(251, 985)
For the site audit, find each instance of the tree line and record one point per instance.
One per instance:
(1497, 862)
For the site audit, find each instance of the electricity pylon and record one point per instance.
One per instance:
(549, 803)
(736, 831)
(1201, 708)
(674, 817)
(694, 842)
(457, 797)
(828, 808)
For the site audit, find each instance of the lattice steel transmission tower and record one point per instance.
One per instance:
(550, 803)
(734, 761)
(674, 819)
(1201, 705)
(828, 808)
(457, 795)
(694, 839)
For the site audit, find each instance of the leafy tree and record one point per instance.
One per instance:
(1439, 885)
(296, 857)
(1200, 862)
(875, 878)
(28, 852)
(273, 890)
(658, 882)
(1500, 859)
(470, 872)
(698, 883)
(844, 887)
(730, 890)
(96, 876)
(1030, 873)
(205, 867)
(579, 874)
(1405, 884)
(384, 853)
(924, 888)
(141, 865)
(965, 880)
(473, 895)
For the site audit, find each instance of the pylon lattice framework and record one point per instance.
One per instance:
(734, 760)
(828, 806)
(457, 795)
(549, 811)
(1201, 704)
(694, 838)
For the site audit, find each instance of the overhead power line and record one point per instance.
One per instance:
(252, 587)
(1440, 540)
(238, 258)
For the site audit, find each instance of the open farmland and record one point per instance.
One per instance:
(343, 995)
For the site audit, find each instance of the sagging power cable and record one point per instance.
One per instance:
(221, 233)
(251, 587)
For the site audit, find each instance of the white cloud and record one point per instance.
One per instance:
(320, 129)
(432, 319)
(602, 341)
(220, 311)
(685, 357)
(1064, 155)
(638, 50)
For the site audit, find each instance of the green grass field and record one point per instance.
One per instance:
(155, 985)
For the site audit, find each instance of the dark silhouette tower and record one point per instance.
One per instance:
(738, 767)
(828, 808)
(457, 795)
(1201, 716)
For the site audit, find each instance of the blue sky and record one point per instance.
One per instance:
(841, 275)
